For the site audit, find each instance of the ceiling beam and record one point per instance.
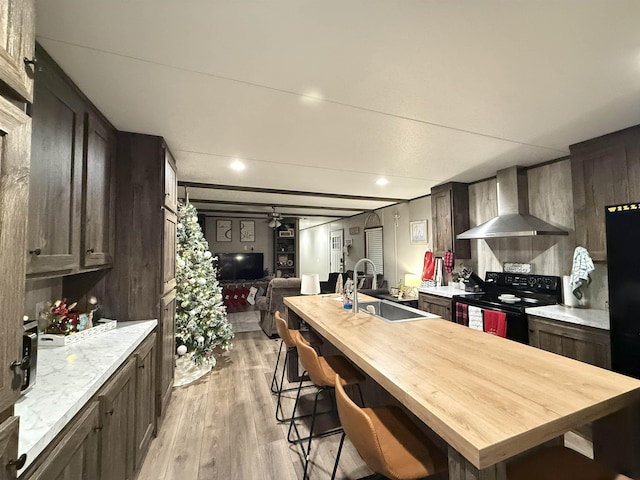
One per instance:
(274, 191)
(258, 204)
(237, 213)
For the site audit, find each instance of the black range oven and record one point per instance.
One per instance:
(511, 294)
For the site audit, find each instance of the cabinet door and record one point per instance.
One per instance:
(450, 215)
(604, 171)
(76, 456)
(169, 242)
(170, 182)
(98, 193)
(15, 135)
(56, 174)
(166, 350)
(145, 397)
(117, 408)
(586, 344)
(9, 448)
(17, 35)
(437, 305)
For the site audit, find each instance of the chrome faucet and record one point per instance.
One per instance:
(355, 281)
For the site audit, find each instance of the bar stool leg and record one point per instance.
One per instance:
(292, 424)
(335, 465)
(274, 384)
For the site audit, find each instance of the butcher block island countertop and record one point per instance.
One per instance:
(489, 398)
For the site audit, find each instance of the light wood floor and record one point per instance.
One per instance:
(223, 426)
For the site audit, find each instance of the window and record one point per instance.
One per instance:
(373, 249)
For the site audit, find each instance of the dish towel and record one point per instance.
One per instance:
(462, 316)
(581, 271)
(475, 318)
(448, 261)
(495, 323)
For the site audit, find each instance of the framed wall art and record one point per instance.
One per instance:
(418, 232)
(223, 230)
(247, 231)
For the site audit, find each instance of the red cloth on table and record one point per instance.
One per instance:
(495, 323)
(462, 315)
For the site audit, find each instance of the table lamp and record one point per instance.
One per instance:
(411, 283)
(310, 284)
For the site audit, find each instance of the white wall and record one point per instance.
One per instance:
(314, 251)
(314, 242)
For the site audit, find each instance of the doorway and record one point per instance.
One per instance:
(336, 255)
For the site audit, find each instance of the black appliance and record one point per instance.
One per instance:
(29, 354)
(528, 291)
(623, 265)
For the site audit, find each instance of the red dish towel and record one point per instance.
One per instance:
(448, 261)
(462, 316)
(495, 323)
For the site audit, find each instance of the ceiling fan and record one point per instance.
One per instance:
(274, 217)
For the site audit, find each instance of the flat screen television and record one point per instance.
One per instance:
(240, 266)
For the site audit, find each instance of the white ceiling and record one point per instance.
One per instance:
(327, 96)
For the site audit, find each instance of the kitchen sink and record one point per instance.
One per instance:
(394, 312)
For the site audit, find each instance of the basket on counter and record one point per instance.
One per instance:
(59, 340)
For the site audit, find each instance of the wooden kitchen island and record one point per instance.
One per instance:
(489, 398)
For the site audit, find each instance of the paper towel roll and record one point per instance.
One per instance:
(569, 299)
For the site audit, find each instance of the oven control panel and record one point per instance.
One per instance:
(538, 283)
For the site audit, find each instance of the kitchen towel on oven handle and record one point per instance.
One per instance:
(495, 323)
(475, 318)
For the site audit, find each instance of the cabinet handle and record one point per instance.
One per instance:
(19, 463)
(23, 364)
(141, 366)
(89, 250)
(109, 412)
(33, 61)
(98, 428)
(36, 251)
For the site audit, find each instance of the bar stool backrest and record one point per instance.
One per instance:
(360, 430)
(311, 363)
(283, 331)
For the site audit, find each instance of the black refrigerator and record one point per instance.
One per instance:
(623, 264)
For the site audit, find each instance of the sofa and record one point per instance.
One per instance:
(273, 301)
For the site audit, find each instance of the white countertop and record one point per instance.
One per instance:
(444, 291)
(67, 377)
(580, 316)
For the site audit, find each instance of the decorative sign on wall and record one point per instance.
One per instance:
(223, 230)
(418, 231)
(354, 230)
(247, 231)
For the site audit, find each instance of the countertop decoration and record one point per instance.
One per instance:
(60, 325)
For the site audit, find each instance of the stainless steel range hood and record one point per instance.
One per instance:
(513, 218)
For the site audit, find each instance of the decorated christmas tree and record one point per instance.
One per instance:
(201, 317)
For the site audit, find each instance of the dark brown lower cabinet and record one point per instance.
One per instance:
(434, 304)
(117, 408)
(109, 438)
(587, 344)
(145, 398)
(76, 454)
(9, 448)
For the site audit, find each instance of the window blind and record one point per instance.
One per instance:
(373, 249)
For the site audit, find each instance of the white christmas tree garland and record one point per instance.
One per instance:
(201, 316)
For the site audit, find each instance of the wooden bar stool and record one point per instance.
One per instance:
(288, 337)
(559, 463)
(387, 440)
(322, 371)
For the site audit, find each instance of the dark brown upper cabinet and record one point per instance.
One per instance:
(450, 214)
(98, 234)
(17, 34)
(605, 171)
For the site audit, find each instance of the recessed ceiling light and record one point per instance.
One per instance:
(311, 96)
(382, 181)
(237, 165)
